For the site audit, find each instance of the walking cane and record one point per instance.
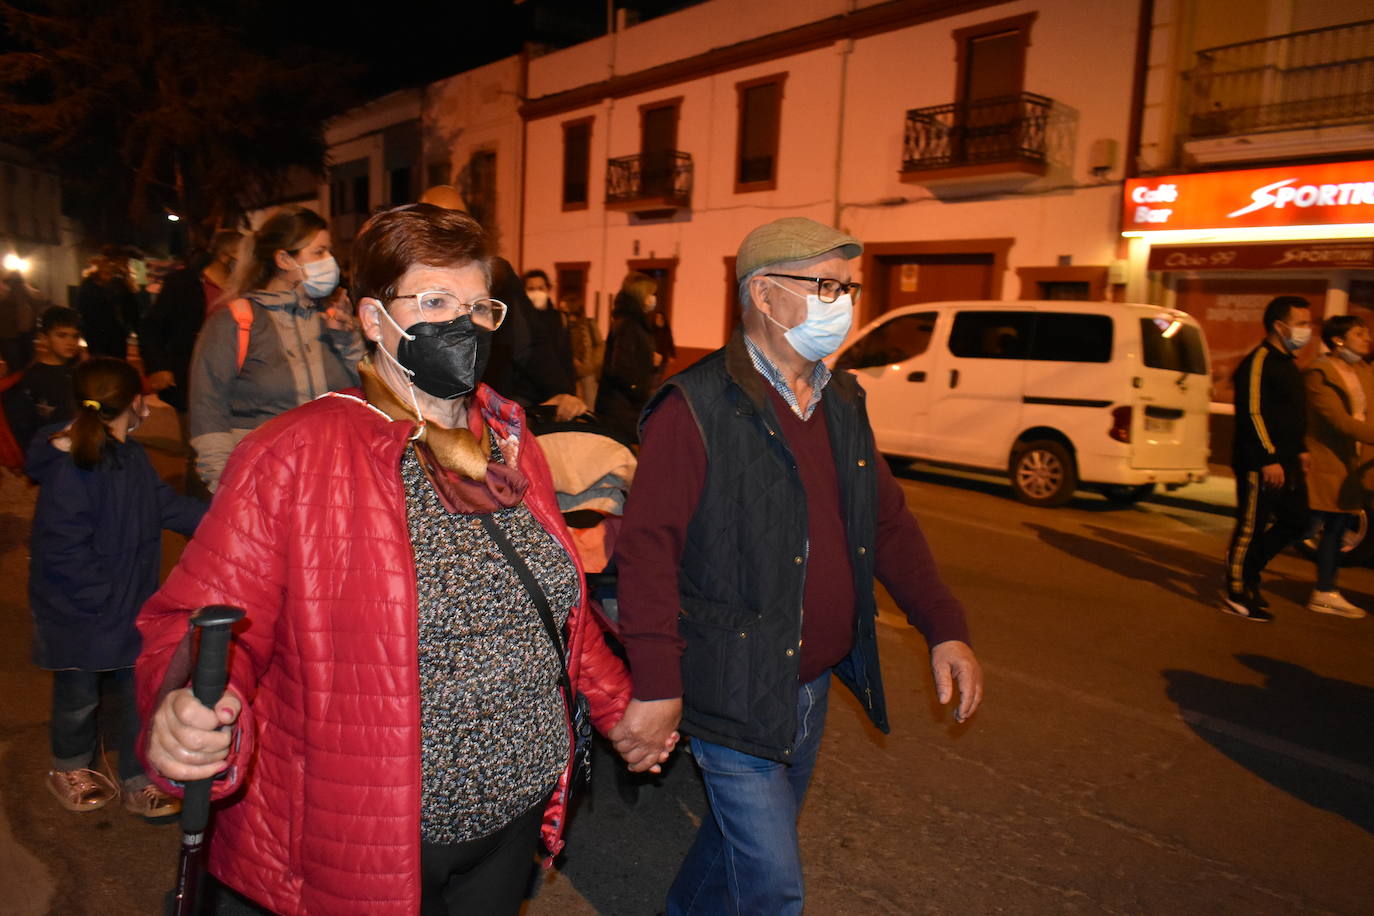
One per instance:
(207, 683)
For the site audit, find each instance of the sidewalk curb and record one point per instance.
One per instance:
(1187, 502)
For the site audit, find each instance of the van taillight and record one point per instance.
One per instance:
(1121, 424)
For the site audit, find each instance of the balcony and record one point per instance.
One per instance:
(1302, 94)
(1000, 138)
(650, 184)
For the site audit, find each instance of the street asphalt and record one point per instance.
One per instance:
(1138, 751)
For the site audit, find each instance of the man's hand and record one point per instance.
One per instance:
(1305, 462)
(953, 663)
(1273, 475)
(647, 733)
(189, 741)
(567, 407)
(160, 380)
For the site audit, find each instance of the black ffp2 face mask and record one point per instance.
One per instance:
(445, 360)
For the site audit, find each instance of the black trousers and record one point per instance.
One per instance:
(482, 877)
(1267, 520)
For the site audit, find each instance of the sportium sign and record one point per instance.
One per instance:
(1302, 195)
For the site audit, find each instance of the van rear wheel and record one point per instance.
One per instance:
(1043, 473)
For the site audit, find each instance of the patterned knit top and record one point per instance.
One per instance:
(492, 724)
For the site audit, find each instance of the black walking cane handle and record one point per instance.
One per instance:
(207, 684)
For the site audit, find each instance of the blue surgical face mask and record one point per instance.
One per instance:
(1296, 338)
(825, 328)
(321, 277)
(1349, 355)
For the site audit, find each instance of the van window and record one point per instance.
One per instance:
(1072, 338)
(894, 341)
(1181, 352)
(991, 335)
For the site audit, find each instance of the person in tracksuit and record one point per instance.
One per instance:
(1270, 457)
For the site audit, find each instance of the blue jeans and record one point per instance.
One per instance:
(73, 728)
(746, 858)
(1333, 526)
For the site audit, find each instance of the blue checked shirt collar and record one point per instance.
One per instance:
(820, 377)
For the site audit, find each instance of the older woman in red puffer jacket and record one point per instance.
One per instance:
(397, 739)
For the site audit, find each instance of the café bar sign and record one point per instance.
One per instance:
(1334, 193)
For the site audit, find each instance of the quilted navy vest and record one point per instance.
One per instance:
(744, 564)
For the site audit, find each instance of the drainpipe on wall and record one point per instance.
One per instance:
(846, 49)
(611, 38)
(1134, 251)
(1144, 26)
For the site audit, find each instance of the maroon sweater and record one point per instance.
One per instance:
(667, 488)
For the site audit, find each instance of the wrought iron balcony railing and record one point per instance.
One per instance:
(1007, 129)
(656, 180)
(1314, 78)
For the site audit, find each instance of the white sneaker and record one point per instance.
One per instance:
(1333, 603)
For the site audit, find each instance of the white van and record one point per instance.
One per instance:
(1059, 394)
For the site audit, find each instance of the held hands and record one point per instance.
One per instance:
(647, 733)
(189, 741)
(953, 663)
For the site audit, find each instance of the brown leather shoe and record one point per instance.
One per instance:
(81, 790)
(152, 803)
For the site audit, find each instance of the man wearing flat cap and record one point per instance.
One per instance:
(759, 518)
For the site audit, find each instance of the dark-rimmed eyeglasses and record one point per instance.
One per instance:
(827, 289)
(440, 305)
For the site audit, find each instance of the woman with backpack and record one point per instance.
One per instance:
(277, 344)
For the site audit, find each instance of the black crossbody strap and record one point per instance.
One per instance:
(541, 602)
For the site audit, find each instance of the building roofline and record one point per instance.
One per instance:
(871, 20)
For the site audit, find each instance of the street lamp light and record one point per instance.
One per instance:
(16, 263)
(173, 218)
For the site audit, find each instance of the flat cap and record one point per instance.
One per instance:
(793, 238)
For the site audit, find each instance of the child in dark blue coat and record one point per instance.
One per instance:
(96, 553)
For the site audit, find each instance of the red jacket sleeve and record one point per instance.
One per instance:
(237, 557)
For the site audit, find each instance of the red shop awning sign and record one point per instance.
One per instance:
(1333, 193)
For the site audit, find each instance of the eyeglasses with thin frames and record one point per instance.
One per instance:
(827, 289)
(440, 305)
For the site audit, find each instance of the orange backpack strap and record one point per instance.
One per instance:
(242, 310)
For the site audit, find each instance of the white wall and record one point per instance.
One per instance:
(480, 111)
(1070, 211)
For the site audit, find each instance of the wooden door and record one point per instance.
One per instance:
(991, 80)
(657, 143)
(937, 278)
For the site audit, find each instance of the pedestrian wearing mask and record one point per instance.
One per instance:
(627, 375)
(1340, 392)
(395, 734)
(760, 516)
(1270, 457)
(276, 345)
(551, 323)
(96, 551)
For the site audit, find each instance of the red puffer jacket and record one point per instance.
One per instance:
(308, 534)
